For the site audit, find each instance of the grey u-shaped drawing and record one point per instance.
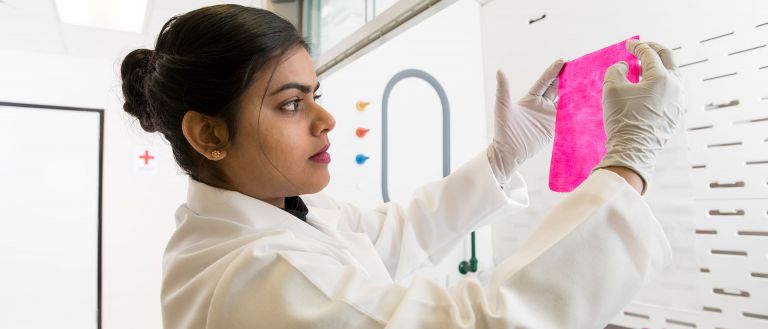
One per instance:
(413, 73)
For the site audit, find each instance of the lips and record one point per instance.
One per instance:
(322, 156)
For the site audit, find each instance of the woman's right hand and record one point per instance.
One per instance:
(640, 118)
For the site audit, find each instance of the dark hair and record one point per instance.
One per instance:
(203, 61)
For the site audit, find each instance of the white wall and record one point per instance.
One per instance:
(137, 209)
(434, 45)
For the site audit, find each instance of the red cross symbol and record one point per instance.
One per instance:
(146, 157)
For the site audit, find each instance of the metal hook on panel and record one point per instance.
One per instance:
(728, 252)
(718, 212)
(726, 185)
(746, 50)
(724, 144)
(700, 127)
(637, 315)
(752, 233)
(715, 106)
(717, 37)
(731, 292)
(694, 63)
(719, 76)
(741, 122)
(534, 20)
(681, 323)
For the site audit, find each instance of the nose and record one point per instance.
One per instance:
(323, 121)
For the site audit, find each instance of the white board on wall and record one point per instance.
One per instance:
(49, 216)
(448, 52)
(438, 56)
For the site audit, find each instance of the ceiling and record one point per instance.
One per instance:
(34, 26)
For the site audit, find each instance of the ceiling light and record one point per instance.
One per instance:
(121, 15)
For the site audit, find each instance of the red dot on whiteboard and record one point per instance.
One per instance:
(360, 132)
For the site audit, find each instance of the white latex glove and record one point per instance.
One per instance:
(640, 118)
(523, 128)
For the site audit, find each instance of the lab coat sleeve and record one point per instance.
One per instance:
(438, 217)
(587, 259)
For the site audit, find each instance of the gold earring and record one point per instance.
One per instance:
(216, 154)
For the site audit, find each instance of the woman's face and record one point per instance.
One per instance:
(282, 134)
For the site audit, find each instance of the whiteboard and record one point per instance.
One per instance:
(50, 171)
(425, 116)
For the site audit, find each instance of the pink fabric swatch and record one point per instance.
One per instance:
(579, 132)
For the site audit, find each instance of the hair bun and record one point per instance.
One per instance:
(133, 71)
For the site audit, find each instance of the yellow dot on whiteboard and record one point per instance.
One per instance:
(361, 105)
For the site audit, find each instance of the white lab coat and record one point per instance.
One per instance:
(237, 262)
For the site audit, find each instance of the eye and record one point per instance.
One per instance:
(292, 106)
(317, 96)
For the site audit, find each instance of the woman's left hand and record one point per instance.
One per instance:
(525, 127)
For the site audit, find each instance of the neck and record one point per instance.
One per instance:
(214, 181)
(277, 202)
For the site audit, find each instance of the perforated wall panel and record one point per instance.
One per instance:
(726, 76)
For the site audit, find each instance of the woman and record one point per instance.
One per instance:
(233, 90)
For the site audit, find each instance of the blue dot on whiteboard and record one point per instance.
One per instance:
(361, 158)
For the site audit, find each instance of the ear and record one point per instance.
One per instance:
(208, 135)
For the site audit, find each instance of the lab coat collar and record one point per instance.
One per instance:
(323, 216)
(212, 202)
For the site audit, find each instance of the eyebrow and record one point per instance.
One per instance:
(295, 85)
